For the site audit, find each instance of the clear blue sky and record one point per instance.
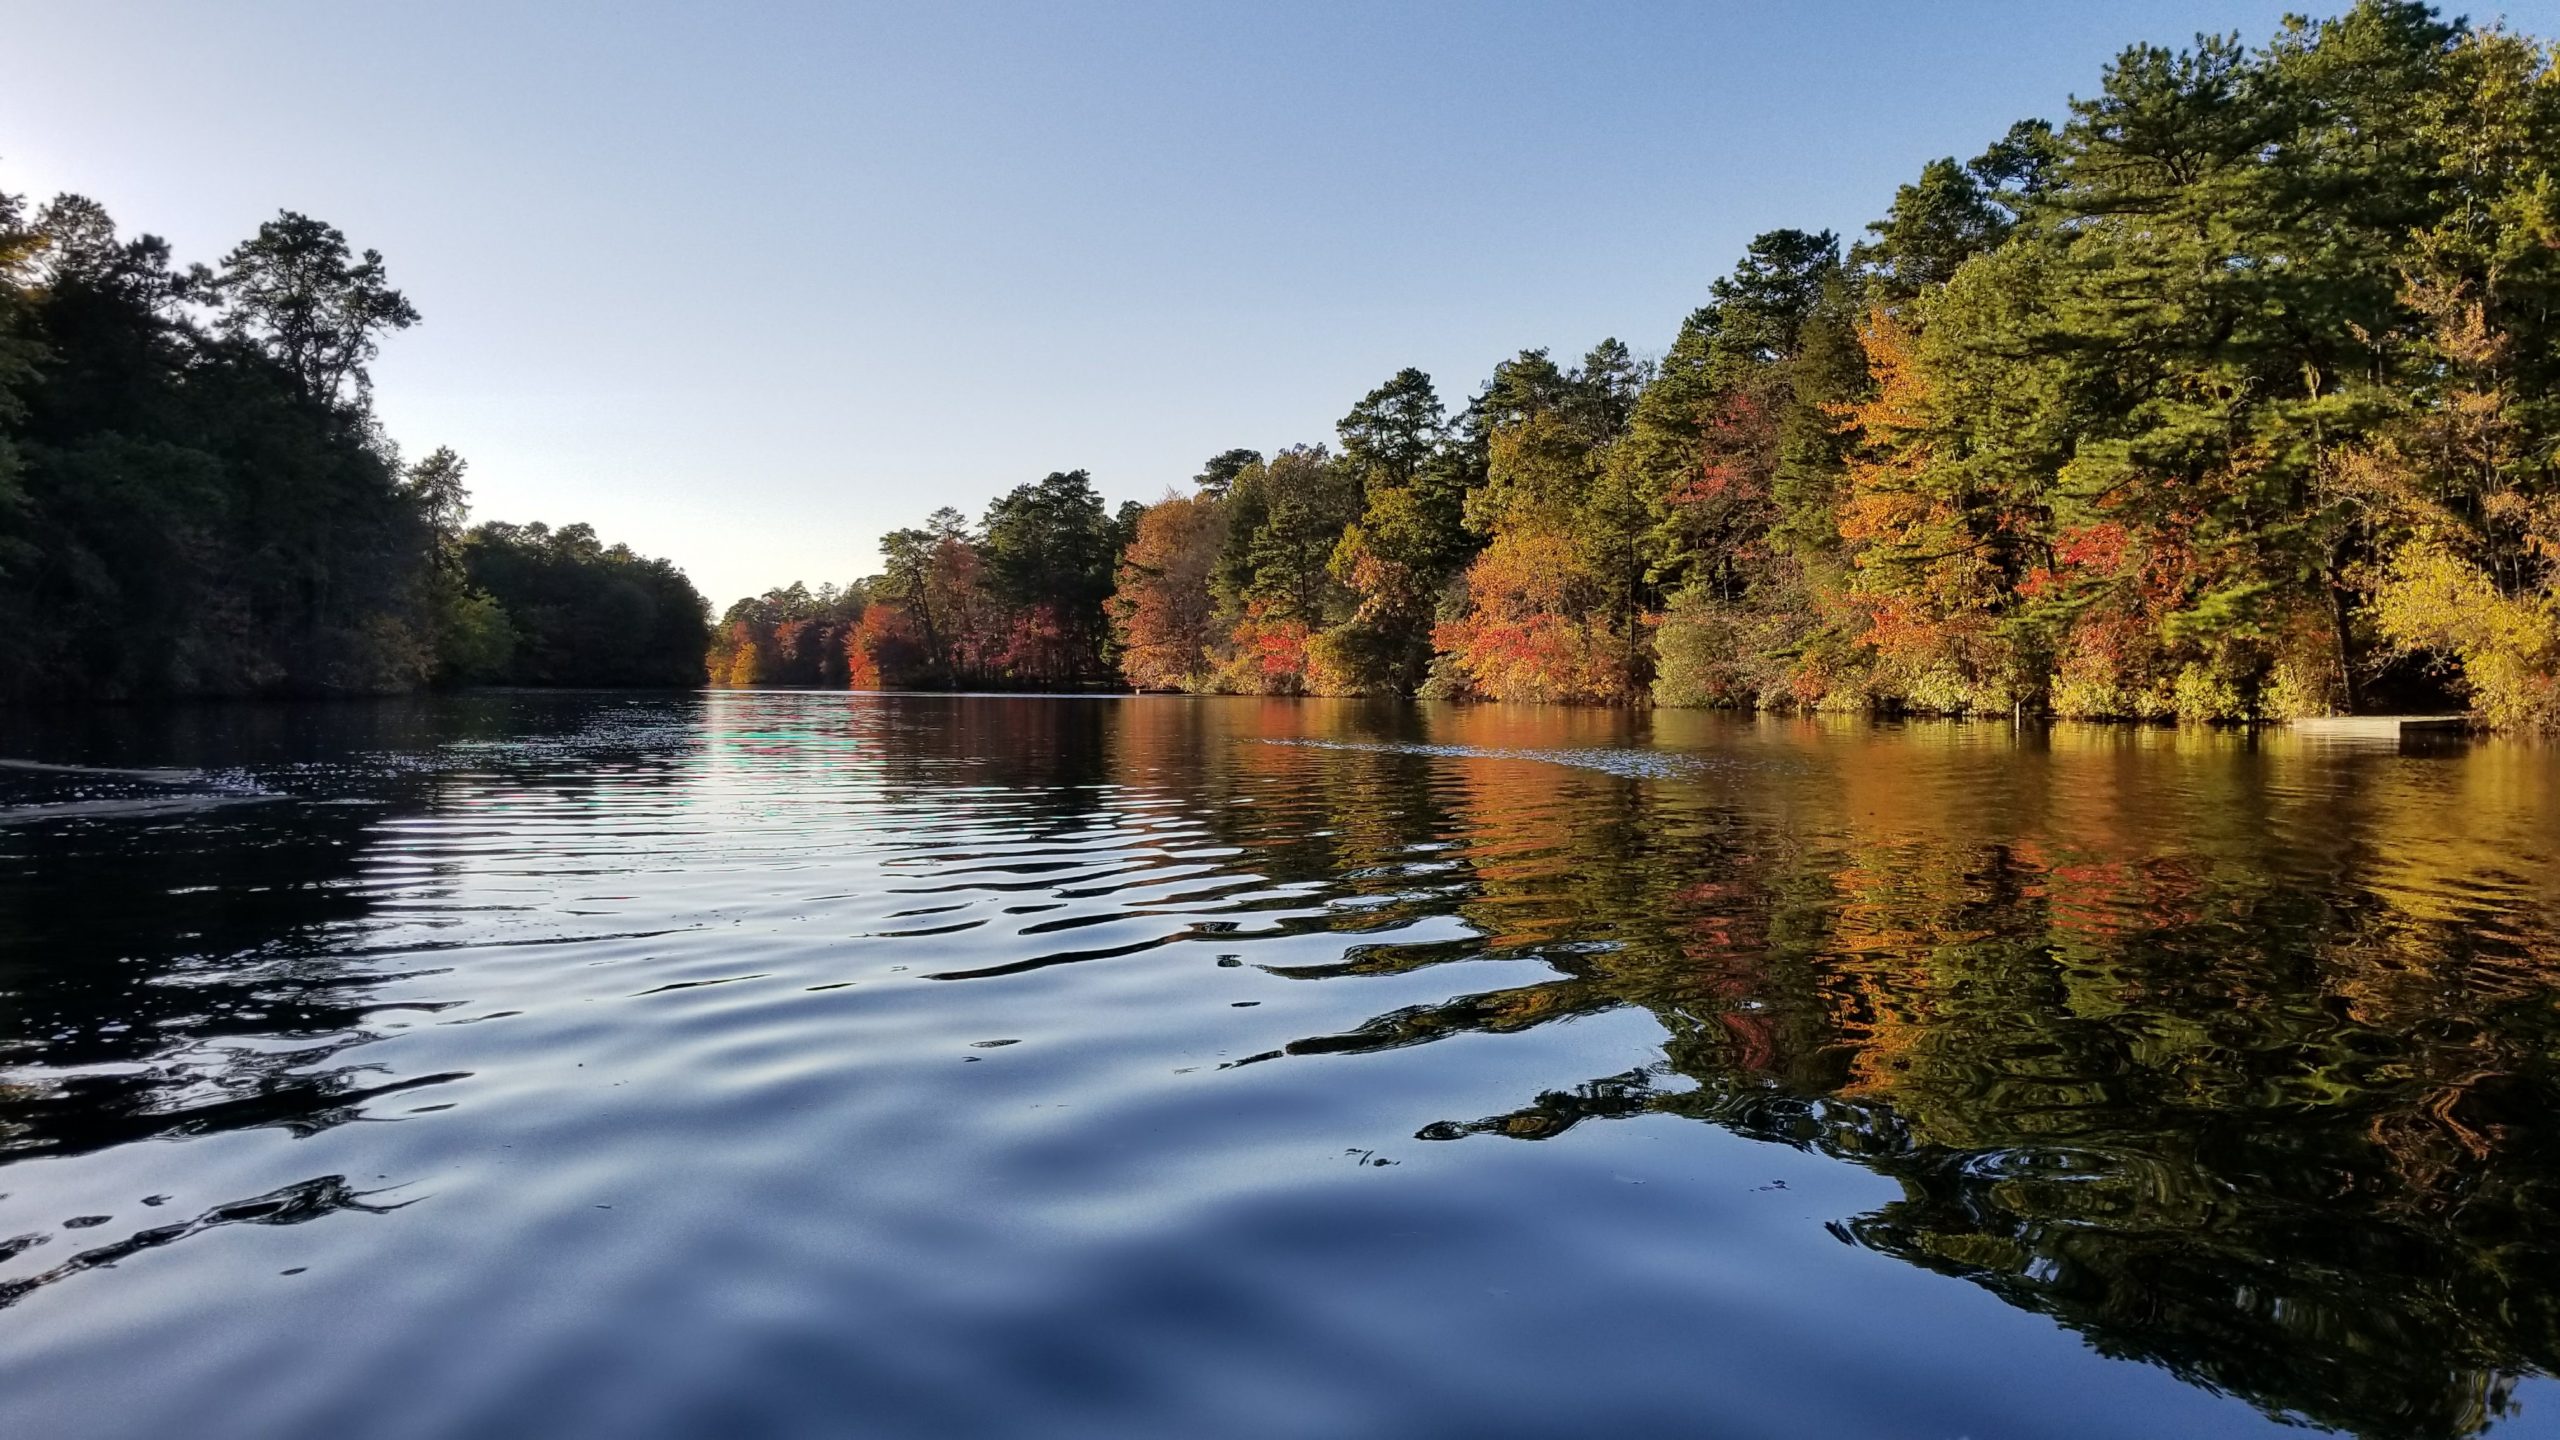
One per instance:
(747, 284)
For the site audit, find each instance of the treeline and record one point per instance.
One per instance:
(1016, 601)
(197, 499)
(2234, 395)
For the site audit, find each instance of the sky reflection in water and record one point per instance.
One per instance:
(930, 1065)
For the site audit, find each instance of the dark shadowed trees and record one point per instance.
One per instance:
(196, 498)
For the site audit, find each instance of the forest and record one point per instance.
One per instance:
(196, 498)
(2233, 395)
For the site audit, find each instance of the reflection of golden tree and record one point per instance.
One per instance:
(2221, 1048)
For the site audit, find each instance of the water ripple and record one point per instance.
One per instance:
(1320, 1068)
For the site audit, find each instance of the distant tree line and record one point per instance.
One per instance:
(2234, 395)
(196, 497)
(1015, 601)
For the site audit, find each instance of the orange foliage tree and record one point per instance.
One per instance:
(1162, 613)
(1533, 631)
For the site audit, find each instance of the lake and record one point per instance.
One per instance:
(779, 1063)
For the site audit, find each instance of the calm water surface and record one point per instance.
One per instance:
(796, 1063)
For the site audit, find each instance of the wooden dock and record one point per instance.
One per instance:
(2381, 727)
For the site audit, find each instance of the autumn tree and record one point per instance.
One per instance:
(1409, 542)
(1051, 548)
(1162, 613)
(1273, 582)
(2232, 395)
(1554, 604)
(789, 636)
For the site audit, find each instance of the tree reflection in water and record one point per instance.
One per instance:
(207, 970)
(2233, 1055)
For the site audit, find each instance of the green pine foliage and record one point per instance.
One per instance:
(2234, 395)
(195, 498)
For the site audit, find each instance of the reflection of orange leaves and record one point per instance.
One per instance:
(2090, 901)
(1754, 1039)
(1727, 924)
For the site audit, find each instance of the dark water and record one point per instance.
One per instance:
(814, 1064)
